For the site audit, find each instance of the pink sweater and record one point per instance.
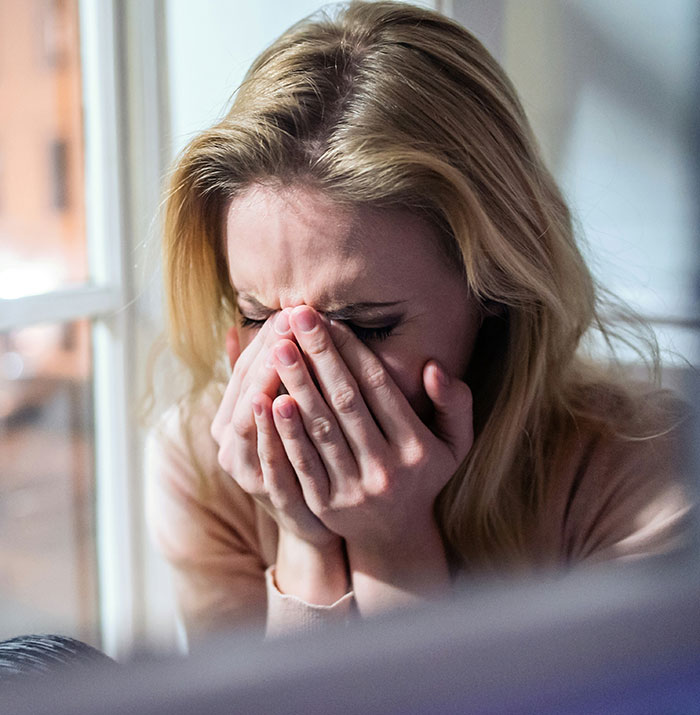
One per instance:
(610, 499)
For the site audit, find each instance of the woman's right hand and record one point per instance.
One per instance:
(250, 449)
(311, 562)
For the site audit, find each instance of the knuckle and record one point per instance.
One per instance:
(381, 482)
(263, 427)
(344, 400)
(376, 377)
(251, 482)
(414, 454)
(256, 490)
(224, 459)
(321, 429)
(280, 500)
(316, 344)
(322, 511)
(242, 426)
(268, 460)
(304, 463)
(346, 501)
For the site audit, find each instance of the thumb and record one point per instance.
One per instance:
(233, 346)
(452, 399)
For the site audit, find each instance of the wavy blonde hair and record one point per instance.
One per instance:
(390, 105)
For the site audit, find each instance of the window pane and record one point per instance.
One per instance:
(42, 224)
(48, 576)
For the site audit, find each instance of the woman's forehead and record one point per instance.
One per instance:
(299, 243)
(277, 227)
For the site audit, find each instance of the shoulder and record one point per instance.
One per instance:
(181, 437)
(619, 490)
(190, 500)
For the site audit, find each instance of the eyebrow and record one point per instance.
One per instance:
(346, 312)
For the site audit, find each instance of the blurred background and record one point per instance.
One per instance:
(96, 99)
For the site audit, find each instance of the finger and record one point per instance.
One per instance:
(338, 386)
(241, 431)
(320, 424)
(389, 406)
(278, 474)
(228, 401)
(260, 371)
(265, 337)
(301, 453)
(453, 409)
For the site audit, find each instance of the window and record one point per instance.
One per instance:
(68, 434)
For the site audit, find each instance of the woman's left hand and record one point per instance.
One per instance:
(381, 468)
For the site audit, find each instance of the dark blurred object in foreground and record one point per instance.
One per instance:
(34, 655)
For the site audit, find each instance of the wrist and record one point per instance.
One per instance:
(400, 572)
(315, 573)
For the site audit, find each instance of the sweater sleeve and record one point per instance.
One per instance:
(209, 531)
(288, 614)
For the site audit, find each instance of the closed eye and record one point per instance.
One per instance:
(250, 322)
(364, 334)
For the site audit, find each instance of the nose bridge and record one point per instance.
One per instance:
(307, 293)
(289, 302)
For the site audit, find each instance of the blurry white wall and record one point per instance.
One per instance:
(609, 89)
(210, 45)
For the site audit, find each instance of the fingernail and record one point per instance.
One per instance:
(282, 323)
(305, 319)
(285, 408)
(286, 354)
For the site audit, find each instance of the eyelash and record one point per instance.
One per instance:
(363, 334)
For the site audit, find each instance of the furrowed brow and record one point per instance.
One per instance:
(346, 312)
(254, 302)
(354, 310)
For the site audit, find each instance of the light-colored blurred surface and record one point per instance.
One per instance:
(609, 89)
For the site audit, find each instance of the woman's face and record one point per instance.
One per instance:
(380, 271)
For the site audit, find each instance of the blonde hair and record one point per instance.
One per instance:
(390, 105)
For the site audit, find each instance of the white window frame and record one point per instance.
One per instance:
(104, 202)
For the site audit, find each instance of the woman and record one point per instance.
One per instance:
(409, 400)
